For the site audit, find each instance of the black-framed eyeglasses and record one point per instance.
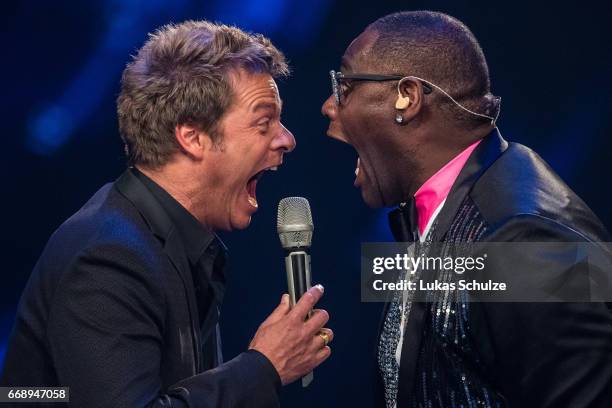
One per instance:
(337, 78)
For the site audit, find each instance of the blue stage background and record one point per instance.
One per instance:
(63, 60)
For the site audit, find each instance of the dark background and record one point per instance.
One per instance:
(62, 62)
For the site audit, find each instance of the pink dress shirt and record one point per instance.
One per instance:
(432, 194)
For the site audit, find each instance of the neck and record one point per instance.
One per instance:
(437, 147)
(172, 178)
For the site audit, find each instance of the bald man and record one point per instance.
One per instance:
(413, 98)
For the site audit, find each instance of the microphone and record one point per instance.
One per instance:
(294, 226)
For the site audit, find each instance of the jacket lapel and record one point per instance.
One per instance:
(162, 227)
(491, 147)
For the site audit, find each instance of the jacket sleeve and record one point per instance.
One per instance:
(105, 336)
(554, 354)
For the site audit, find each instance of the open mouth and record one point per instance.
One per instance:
(251, 186)
(331, 133)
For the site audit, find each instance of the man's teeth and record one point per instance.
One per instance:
(272, 168)
(253, 201)
(357, 168)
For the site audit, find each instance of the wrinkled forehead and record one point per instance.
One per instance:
(274, 89)
(357, 55)
(254, 85)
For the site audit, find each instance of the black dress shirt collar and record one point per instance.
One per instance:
(197, 238)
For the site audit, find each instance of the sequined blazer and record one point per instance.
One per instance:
(456, 353)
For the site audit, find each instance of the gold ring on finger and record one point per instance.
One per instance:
(325, 337)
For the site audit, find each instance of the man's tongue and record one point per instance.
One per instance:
(252, 192)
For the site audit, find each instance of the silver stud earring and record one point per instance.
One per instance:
(399, 118)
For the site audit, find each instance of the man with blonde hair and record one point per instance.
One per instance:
(123, 305)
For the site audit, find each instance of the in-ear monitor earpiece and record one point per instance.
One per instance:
(402, 102)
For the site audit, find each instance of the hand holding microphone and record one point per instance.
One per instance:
(292, 344)
(293, 337)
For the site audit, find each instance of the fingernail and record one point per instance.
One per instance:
(320, 287)
(284, 298)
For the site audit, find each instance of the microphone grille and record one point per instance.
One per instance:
(294, 222)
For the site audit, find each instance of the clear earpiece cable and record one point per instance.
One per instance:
(493, 119)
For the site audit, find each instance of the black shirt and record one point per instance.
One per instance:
(207, 259)
(110, 311)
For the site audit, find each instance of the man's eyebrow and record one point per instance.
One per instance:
(268, 105)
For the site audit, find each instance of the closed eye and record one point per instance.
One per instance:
(263, 125)
(344, 85)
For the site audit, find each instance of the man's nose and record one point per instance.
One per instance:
(284, 140)
(329, 108)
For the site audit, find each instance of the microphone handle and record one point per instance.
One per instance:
(297, 265)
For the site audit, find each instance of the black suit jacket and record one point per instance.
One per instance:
(110, 311)
(513, 354)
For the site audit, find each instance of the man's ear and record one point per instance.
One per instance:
(409, 98)
(192, 141)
